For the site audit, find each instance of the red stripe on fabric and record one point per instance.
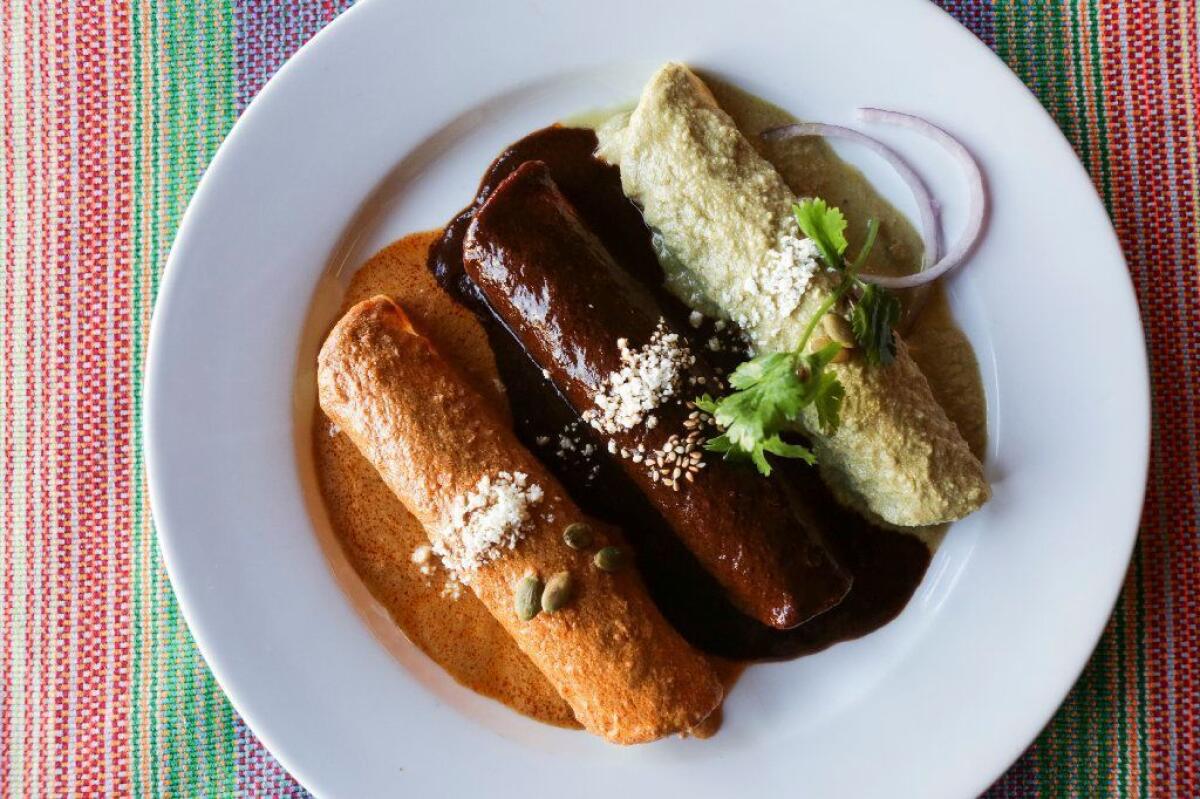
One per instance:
(1180, 40)
(58, 540)
(43, 448)
(1148, 132)
(121, 376)
(1175, 398)
(1151, 239)
(9, 455)
(37, 411)
(95, 453)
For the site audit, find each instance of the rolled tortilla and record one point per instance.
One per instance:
(723, 213)
(554, 285)
(626, 673)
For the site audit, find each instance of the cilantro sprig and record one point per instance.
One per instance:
(772, 390)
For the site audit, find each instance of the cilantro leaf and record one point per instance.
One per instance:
(825, 391)
(777, 446)
(816, 361)
(869, 244)
(828, 401)
(771, 391)
(721, 444)
(758, 454)
(769, 394)
(826, 226)
(874, 316)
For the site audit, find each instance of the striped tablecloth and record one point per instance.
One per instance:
(110, 111)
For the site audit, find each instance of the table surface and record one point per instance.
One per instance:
(110, 112)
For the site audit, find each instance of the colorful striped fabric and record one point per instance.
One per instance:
(110, 111)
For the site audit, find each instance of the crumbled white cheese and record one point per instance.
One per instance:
(649, 376)
(487, 521)
(760, 301)
(422, 556)
(695, 319)
(452, 589)
(789, 269)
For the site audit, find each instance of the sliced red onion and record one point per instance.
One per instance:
(977, 206)
(927, 208)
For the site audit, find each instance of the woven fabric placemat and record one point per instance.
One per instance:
(109, 113)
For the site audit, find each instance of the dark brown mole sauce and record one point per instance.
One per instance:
(887, 566)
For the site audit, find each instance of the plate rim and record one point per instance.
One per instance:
(168, 288)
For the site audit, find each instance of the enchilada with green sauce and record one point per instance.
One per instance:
(723, 214)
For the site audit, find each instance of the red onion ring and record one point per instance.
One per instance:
(977, 207)
(927, 208)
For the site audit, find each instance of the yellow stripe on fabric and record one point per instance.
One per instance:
(16, 554)
(1188, 19)
(36, 522)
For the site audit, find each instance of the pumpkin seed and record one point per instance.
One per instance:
(578, 535)
(559, 589)
(820, 342)
(610, 559)
(527, 598)
(838, 329)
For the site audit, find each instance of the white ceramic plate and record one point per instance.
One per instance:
(382, 125)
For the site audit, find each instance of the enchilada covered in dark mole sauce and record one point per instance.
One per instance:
(885, 567)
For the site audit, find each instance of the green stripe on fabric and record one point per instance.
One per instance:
(1143, 737)
(142, 773)
(219, 62)
(1083, 135)
(1101, 116)
(184, 105)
